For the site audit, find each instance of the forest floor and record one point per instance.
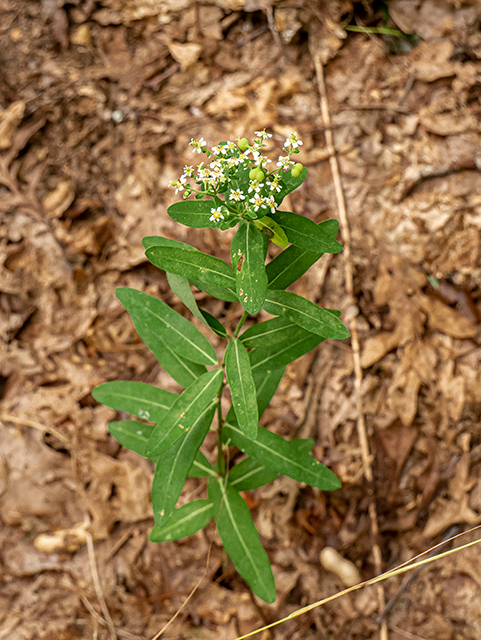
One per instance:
(99, 101)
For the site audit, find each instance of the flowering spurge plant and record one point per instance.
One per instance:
(235, 187)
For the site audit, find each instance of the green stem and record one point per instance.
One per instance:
(241, 322)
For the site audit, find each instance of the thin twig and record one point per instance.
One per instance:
(346, 239)
(35, 425)
(98, 586)
(98, 618)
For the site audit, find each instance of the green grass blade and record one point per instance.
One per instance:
(242, 387)
(186, 521)
(241, 539)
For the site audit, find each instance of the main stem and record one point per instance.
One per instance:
(221, 466)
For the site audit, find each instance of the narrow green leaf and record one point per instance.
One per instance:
(160, 241)
(185, 521)
(181, 288)
(220, 293)
(291, 264)
(306, 234)
(306, 314)
(247, 253)
(250, 474)
(214, 324)
(241, 539)
(272, 231)
(289, 184)
(157, 317)
(193, 265)
(182, 370)
(242, 387)
(193, 213)
(173, 466)
(201, 467)
(183, 414)
(266, 380)
(138, 398)
(271, 333)
(131, 434)
(286, 457)
(280, 356)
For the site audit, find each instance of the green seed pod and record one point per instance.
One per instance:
(253, 173)
(259, 175)
(243, 144)
(299, 167)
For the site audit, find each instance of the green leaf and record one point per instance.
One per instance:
(181, 287)
(193, 213)
(247, 252)
(272, 231)
(242, 387)
(138, 398)
(290, 264)
(183, 414)
(288, 184)
(241, 540)
(173, 466)
(160, 241)
(287, 457)
(266, 380)
(271, 333)
(250, 474)
(193, 265)
(201, 467)
(221, 293)
(280, 356)
(157, 317)
(131, 434)
(214, 324)
(306, 234)
(186, 521)
(306, 314)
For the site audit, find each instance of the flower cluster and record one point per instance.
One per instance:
(237, 175)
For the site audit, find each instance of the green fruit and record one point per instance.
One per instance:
(259, 176)
(297, 169)
(243, 144)
(253, 173)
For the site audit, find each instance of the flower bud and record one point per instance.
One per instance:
(243, 144)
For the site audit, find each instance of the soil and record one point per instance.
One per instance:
(98, 102)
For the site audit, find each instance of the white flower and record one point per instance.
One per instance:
(178, 186)
(274, 185)
(216, 215)
(270, 202)
(188, 171)
(255, 186)
(293, 141)
(258, 201)
(237, 195)
(262, 134)
(197, 144)
(285, 163)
